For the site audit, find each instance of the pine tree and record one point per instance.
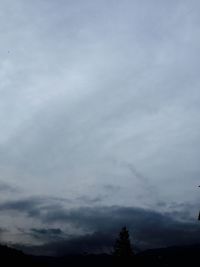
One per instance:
(122, 247)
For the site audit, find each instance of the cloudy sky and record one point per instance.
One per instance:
(99, 119)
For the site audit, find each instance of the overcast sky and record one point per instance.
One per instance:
(99, 107)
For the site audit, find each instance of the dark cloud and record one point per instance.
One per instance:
(33, 206)
(49, 231)
(148, 229)
(46, 234)
(30, 206)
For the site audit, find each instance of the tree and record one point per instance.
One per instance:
(122, 247)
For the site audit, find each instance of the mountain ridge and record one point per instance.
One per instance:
(169, 256)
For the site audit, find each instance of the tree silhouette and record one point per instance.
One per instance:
(122, 247)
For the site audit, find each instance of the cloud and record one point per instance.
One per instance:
(31, 206)
(88, 200)
(87, 86)
(3, 230)
(49, 231)
(5, 187)
(98, 226)
(46, 235)
(148, 228)
(126, 89)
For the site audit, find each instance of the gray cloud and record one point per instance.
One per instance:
(88, 200)
(49, 231)
(47, 234)
(32, 206)
(114, 85)
(148, 229)
(99, 106)
(92, 224)
(5, 187)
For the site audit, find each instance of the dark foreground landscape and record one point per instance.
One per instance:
(172, 256)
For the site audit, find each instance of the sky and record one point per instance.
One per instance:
(99, 119)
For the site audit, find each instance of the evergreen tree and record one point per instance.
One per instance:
(122, 247)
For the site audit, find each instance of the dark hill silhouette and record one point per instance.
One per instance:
(172, 256)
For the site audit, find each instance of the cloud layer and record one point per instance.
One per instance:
(99, 106)
(94, 229)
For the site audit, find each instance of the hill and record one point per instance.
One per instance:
(172, 256)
